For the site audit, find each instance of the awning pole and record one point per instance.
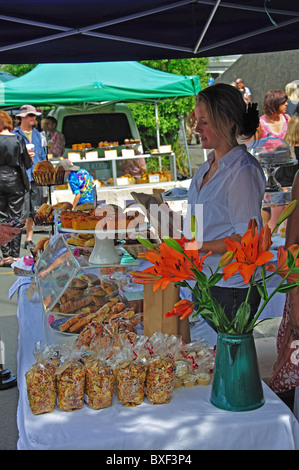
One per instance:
(158, 133)
(186, 144)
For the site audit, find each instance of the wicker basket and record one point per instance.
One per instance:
(137, 250)
(46, 179)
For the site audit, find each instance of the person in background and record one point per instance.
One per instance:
(81, 182)
(285, 174)
(244, 90)
(229, 185)
(292, 92)
(55, 139)
(284, 378)
(34, 196)
(14, 161)
(274, 122)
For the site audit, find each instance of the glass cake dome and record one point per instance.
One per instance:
(271, 150)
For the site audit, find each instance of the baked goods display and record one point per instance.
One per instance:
(104, 217)
(45, 213)
(153, 176)
(44, 173)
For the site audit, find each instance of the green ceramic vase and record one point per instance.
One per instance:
(236, 382)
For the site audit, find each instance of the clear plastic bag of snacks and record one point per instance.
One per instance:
(70, 377)
(40, 381)
(99, 380)
(130, 369)
(161, 368)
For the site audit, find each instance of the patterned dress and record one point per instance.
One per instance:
(82, 182)
(285, 374)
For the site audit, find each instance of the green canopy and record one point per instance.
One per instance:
(95, 81)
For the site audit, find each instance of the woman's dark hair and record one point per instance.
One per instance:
(229, 115)
(6, 121)
(272, 100)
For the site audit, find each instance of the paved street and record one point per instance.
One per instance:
(9, 336)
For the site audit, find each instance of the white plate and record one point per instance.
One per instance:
(56, 324)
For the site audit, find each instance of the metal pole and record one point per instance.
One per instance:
(186, 144)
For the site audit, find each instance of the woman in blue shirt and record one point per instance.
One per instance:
(81, 182)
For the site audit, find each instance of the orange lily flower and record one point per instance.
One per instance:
(183, 307)
(170, 265)
(281, 267)
(249, 253)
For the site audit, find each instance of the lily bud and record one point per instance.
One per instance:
(265, 241)
(252, 225)
(193, 226)
(287, 211)
(173, 244)
(226, 259)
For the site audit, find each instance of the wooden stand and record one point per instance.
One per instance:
(155, 305)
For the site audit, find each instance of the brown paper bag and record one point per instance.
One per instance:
(155, 305)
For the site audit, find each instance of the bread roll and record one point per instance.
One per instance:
(63, 206)
(44, 167)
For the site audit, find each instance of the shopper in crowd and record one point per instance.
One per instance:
(14, 181)
(55, 139)
(285, 174)
(80, 181)
(274, 122)
(244, 90)
(33, 197)
(292, 92)
(229, 186)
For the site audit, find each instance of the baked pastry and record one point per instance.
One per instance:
(43, 173)
(40, 246)
(63, 206)
(91, 279)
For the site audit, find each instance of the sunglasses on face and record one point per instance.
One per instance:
(31, 115)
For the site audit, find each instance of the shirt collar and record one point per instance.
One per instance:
(229, 158)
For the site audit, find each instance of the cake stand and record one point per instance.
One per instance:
(104, 252)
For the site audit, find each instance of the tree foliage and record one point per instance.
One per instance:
(17, 69)
(170, 110)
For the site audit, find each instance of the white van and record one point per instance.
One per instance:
(94, 123)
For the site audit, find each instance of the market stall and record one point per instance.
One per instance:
(188, 422)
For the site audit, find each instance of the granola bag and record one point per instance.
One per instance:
(161, 368)
(40, 381)
(202, 360)
(130, 369)
(70, 378)
(99, 380)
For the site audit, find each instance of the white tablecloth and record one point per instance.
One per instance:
(189, 422)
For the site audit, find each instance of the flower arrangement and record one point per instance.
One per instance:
(178, 260)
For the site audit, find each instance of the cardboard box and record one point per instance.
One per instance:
(155, 305)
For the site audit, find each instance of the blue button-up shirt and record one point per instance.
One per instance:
(39, 151)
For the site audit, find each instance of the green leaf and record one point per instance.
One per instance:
(290, 260)
(201, 277)
(261, 291)
(286, 288)
(242, 316)
(214, 279)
